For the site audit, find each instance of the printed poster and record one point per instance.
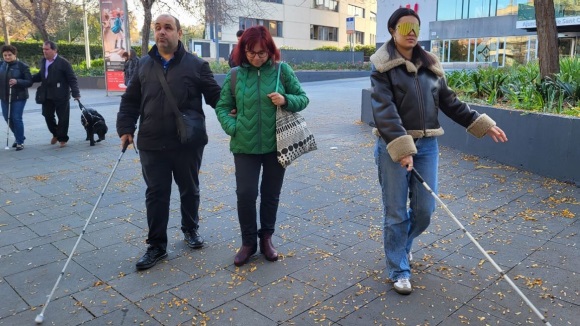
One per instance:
(114, 25)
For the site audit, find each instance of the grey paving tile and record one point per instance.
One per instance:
(331, 275)
(236, 314)
(341, 305)
(130, 314)
(112, 262)
(292, 257)
(33, 285)
(100, 299)
(12, 303)
(368, 253)
(140, 285)
(15, 235)
(27, 259)
(63, 311)
(283, 299)
(213, 290)
(168, 309)
(505, 248)
(471, 316)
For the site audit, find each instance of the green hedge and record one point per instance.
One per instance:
(31, 52)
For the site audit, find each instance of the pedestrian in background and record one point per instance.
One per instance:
(230, 59)
(57, 80)
(409, 90)
(253, 134)
(130, 66)
(15, 78)
(162, 155)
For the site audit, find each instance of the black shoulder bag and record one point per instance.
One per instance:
(190, 126)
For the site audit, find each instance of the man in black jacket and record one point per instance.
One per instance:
(231, 62)
(58, 80)
(162, 154)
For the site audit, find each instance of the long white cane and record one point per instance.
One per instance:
(8, 120)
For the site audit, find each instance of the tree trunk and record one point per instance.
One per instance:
(547, 38)
(4, 27)
(147, 4)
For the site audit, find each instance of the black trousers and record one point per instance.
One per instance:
(159, 167)
(248, 168)
(62, 110)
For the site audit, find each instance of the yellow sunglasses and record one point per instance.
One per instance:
(406, 28)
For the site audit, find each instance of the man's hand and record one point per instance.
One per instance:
(126, 138)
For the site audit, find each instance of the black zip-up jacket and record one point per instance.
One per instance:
(188, 76)
(61, 80)
(406, 100)
(19, 71)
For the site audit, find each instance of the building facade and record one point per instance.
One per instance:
(498, 32)
(304, 24)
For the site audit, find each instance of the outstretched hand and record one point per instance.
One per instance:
(497, 134)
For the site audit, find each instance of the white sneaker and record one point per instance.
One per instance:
(403, 286)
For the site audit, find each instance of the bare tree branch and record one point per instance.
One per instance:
(37, 12)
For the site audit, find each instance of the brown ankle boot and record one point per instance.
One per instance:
(244, 254)
(267, 248)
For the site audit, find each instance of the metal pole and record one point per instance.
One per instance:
(86, 29)
(127, 29)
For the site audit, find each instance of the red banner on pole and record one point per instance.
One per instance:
(114, 26)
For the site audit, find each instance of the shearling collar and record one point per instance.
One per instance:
(382, 62)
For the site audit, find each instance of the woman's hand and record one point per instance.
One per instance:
(497, 134)
(277, 99)
(407, 162)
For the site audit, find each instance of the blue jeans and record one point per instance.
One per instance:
(16, 124)
(401, 225)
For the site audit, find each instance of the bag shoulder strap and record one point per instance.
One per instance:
(168, 93)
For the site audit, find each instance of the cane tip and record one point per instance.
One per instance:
(39, 319)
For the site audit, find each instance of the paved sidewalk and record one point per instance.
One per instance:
(331, 270)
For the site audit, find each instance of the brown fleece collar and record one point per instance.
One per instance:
(382, 62)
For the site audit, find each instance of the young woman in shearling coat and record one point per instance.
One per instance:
(409, 90)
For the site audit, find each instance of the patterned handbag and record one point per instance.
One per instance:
(292, 135)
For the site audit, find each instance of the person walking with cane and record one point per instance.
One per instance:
(15, 78)
(409, 90)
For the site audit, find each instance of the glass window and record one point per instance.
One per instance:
(449, 9)
(359, 37)
(373, 17)
(437, 49)
(506, 7)
(458, 50)
(356, 11)
(273, 26)
(517, 48)
(323, 33)
(479, 8)
(331, 5)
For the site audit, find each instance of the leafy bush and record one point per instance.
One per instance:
(521, 87)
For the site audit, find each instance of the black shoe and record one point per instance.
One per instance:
(151, 257)
(193, 239)
(19, 147)
(14, 145)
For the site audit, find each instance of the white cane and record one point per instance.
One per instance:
(8, 120)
